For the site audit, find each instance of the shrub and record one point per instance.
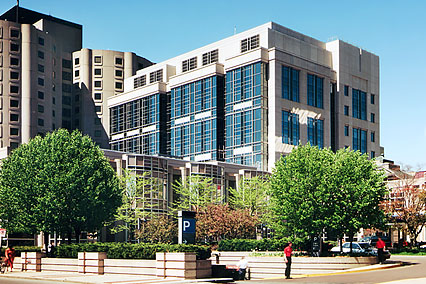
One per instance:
(259, 245)
(130, 251)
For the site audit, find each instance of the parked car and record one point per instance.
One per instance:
(346, 247)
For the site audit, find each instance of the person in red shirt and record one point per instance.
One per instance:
(380, 248)
(10, 257)
(288, 251)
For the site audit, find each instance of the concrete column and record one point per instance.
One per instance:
(87, 120)
(26, 83)
(128, 65)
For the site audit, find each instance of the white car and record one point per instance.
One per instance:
(356, 247)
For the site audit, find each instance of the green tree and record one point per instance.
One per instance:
(137, 192)
(300, 195)
(358, 192)
(314, 189)
(60, 183)
(252, 194)
(159, 229)
(195, 192)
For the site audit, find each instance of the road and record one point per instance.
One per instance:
(415, 268)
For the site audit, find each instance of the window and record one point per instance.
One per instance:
(97, 59)
(316, 132)
(315, 91)
(14, 75)
(372, 154)
(249, 43)
(40, 109)
(40, 81)
(189, 64)
(14, 145)
(14, 103)
(14, 33)
(346, 110)
(14, 47)
(67, 88)
(290, 84)
(290, 128)
(14, 61)
(14, 131)
(98, 108)
(66, 100)
(53, 100)
(14, 89)
(346, 91)
(77, 110)
(76, 61)
(40, 122)
(98, 72)
(53, 113)
(372, 99)
(372, 117)
(98, 84)
(359, 140)
(40, 68)
(139, 81)
(156, 76)
(66, 112)
(77, 98)
(373, 137)
(14, 117)
(77, 73)
(98, 96)
(346, 130)
(119, 73)
(210, 57)
(118, 61)
(66, 76)
(119, 85)
(41, 95)
(359, 104)
(66, 63)
(40, 41)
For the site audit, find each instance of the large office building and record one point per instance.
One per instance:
(250, 98)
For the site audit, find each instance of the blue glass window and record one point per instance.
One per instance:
(346, 90)
(359, 140)
(290, 84)
(290, 128)
(346, 110)
(315, 91)
(359, 104)
(346, 130)
(316, 132)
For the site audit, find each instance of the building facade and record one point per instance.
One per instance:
(250, 98)
(97, 76)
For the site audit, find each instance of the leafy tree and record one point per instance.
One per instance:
(251, 195)
(59, 183)
(159, 229)
(137, 192)
(300, 195)
(358, 191)
(218, 221)
(195, 192)
(314, 189)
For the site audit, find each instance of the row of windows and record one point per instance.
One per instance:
(372, 96)
(189, 64)
(363, 116)
(98, 85)
(291, 130)
(139, 81)
(156, 76)
(98, 73)
(372, 134)
(250, 43)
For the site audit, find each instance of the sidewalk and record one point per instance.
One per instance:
(73, 277)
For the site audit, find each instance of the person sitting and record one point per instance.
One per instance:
(242, 268)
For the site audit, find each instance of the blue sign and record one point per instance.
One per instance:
(188, 225)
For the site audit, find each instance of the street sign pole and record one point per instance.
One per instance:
(186, 222)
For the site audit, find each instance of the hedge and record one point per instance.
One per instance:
(19, 249)
(130, 251)
(258, 245)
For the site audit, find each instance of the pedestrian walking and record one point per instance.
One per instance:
(380, 248)
(242, 268)
(10, 257)
(288, 251)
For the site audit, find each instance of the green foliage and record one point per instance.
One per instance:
(195, 192)
(137, 191)
(314, 189)
(61, 183)
(20, 249)
(251, 195)
(259, 245)
(130, 251)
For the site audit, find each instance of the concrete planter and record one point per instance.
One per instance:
(182, 264)
(31, 261)
(91, 262)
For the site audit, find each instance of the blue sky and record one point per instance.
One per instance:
(393, 30)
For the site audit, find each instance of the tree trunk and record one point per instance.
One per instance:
(69, 237)
(351, 239)
(341, 244)
(46, 241)
(77, 235)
